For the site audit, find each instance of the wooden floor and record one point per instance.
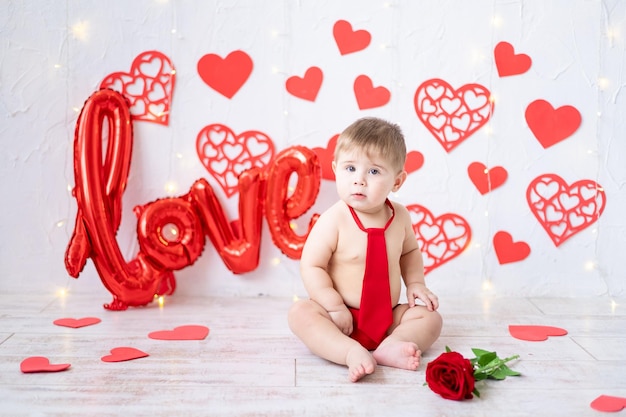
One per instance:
(251, 365)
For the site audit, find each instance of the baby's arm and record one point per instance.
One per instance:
(412, 267)
(316, 255)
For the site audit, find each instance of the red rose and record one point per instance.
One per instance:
(451, 376)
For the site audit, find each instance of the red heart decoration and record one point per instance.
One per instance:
(608, 403)
(121, 354)
(535, 333)
(326, 156)
(508, 62)
(190, 332)
(508, 251)
(306, 87)
(440, 238)
(148, 86)
(225, 75)
(452, 115)
(368, 96)
(77, 323)
(564, 210)
(349, 41)
(226, 155)
(550, 125)
(485, 179)
(41, 364)
(414, 161)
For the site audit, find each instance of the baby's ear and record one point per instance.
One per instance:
(400, 178)
(333, 165)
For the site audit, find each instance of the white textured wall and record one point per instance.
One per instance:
(54, 55)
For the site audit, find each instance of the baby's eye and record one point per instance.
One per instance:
(350, 168)
(374, 171)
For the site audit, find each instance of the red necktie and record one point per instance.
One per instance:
(375, 314)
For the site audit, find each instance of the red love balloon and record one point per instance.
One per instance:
(239, 242)
(98, 192)
(170, 233)
(280, 208)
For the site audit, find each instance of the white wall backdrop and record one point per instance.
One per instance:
(54, 55)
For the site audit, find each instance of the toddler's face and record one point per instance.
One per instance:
(364, 181)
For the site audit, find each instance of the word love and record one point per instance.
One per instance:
(171, 231)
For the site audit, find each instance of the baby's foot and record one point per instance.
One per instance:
(360, 363)
(398, 354)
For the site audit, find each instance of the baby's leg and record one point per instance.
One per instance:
(418, 329)
(313, 325)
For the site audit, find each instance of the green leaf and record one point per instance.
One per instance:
(508, 371)
(479, 352)
(479, 376)
(448, 350)
(487, 358)
(498, 374)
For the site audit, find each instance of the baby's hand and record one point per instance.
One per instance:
(422, 293)
(343, 320)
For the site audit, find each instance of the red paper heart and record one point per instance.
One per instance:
(77, 323)
(41, 364)
(452, 115)
(608, 403)
(508, 251)
(564, 210)
(326, 156)
(148, 86)
(414, 161)
(306, 87)
(349, 41)
(225, 75)
(485, 179)
(509, 63)
(535, 333)
(121, 354)
(190, 332)
(226, 155)
(551, 126)
(368, 96)
(440, 238)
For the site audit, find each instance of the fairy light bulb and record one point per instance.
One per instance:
(80, 31)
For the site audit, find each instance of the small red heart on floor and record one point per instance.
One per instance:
(76, 323)
(121, 354)
(41, 364)
(190, 332)
(609, 404)
(535, 333)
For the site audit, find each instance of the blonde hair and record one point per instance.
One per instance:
(374, 135)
